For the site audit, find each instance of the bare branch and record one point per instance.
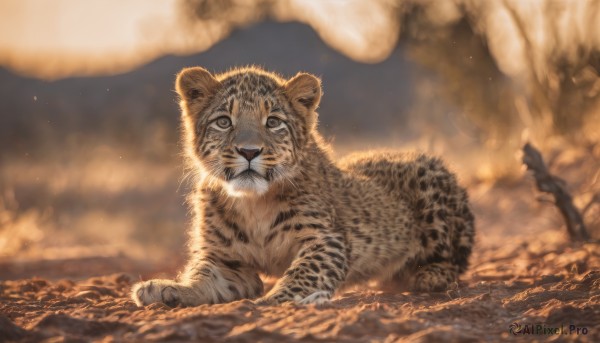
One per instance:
(549, 183)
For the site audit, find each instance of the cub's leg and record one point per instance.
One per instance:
(313, 277)
(435, 277)
(447, 238)
(208, 281)
(444, 223)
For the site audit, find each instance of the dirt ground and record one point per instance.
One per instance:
(524, 273)
(556, 288)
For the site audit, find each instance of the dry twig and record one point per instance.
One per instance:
(549, 183)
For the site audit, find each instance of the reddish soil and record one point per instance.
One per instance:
(526, 287)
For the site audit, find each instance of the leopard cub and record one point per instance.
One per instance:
(269, 199)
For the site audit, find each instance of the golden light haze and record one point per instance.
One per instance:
(53, 39)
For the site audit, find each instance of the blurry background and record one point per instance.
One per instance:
(89, 157)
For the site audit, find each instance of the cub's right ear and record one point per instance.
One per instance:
(196, 85)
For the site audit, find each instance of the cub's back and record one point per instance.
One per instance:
(409, 176)
(434, 198)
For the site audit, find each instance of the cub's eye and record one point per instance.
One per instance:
(273, 122)
(223, 122)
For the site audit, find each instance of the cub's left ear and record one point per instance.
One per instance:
(304, 90)
(196, 86)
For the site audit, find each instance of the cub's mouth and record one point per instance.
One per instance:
(248, 174)
(247, 182)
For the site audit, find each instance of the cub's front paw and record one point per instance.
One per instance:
(157, 291)
(266, 301)
(317, 298)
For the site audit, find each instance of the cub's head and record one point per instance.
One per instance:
(247, 128)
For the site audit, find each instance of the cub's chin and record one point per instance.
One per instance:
(246, 184)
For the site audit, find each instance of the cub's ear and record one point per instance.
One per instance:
(196, 85)
(304, 90)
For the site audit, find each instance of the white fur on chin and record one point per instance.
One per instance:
(247, 187)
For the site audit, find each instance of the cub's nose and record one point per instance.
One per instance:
(249, 154)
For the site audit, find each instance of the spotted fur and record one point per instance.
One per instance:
(269, 199)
